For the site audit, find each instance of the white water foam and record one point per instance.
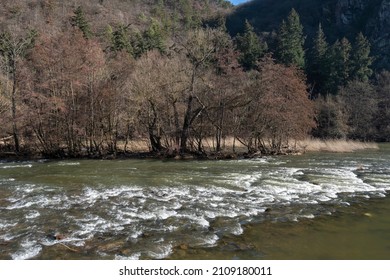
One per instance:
(135, 256)
(160, 252)
(68, 163)
(17, 166)
(29, 249)
(27, 253)
(234, 197)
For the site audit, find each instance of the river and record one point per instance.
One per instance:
(313, 206)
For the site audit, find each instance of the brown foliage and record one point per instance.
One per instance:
(278, 108)
(64, 97)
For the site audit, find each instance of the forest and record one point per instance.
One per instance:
(90, 78)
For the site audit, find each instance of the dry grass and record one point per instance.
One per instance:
(335, 146)
(135, 146)
(308, 145)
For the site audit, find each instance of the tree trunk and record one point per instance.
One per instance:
(13, 109)
(186, 126)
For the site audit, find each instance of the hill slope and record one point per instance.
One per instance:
(338, 17)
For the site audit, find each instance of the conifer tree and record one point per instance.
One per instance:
(250, 47)
(120, 40)
(151, 39)
(154, 38)
(317, 65)
(290, 41)
(339, 66)
(361, 59)
(79, 20)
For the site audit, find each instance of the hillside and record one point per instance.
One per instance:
(101, 78)
(53, 15)
(339, 18)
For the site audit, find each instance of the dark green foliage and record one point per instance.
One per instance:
(250, 47)
(154, 38)
(151, 39)
(11, 47)
(382, 117)
(290, 41)
(338, 58)
(79, 21)
(120, 40)
(360, 59)
(137, 43)
(318, 63)
(364, 16)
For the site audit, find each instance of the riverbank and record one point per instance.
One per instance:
(335, 146)
(231, 150)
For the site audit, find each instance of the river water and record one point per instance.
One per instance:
(314, 206)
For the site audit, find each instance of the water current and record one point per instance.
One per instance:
(153, 209)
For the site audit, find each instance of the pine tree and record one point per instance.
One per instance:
(318, 62)
(361, 59)
(121, 41)
(154, 38)
(151, 39)
(79, 20)
(250, 47)
(290, 41)
(339, 65)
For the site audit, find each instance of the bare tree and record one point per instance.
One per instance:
(13, 48)
(278, 110)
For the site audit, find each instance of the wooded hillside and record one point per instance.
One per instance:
(88, 78)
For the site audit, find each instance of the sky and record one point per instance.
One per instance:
(236, 2)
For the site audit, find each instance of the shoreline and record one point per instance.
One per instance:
(299, 148)
(336, 146)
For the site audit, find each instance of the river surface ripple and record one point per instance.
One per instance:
(146, 209)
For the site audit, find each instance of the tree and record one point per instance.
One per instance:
(153, 38)
(331, 119)
(360, 59)
(318, 61)
(290, 41)
(382, 118)
(225, 93)
(360, 104)
(339, 65)
(278, 108)
(121, 41)
(65, 101)
(79, 20)
(12, 49)
(150, 39)
(158, 85)
(200, 48)
(250, 47)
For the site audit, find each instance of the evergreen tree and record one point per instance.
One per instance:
(79, 20)
(120, 40)
(154, 38)
(317, 65)
(361, 59)
(339, 65)
(250, 47)
(188, 13)
(151, 39)
(290, 41)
